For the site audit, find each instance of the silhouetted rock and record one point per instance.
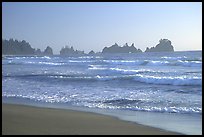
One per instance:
(79, 52)
(163, 46)
(11, 47)
(91, 52)
(38, 52)
(117, 49)
(48, 51)
(70, 51)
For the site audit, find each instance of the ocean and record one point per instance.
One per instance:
(160, 89)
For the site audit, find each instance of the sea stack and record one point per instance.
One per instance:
(163, 46)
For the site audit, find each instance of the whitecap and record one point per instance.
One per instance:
(182, 80)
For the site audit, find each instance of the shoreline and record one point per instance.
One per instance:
(23, 119)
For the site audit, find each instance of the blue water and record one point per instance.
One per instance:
(159, 83)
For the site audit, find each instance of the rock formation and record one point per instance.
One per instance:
(70, 51)
(118, 49)
(48, 51)
(163, 46)
(91, 52)
(15, 47)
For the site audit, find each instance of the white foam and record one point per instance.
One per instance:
(80, 61)
(182, 80)
(97, 67)
(157, 63)
(45, 63)
(189, 63)
(173, 58)
(129, 62)
(131, 71)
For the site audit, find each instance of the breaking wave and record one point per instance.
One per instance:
(162, 80)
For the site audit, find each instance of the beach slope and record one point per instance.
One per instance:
(20, 119)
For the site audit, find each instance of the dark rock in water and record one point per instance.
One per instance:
(48, 51)
(66, 50)
(38, 52)
(70, 51)
(91, 52)
(163, 46)
(15, 47)
(118, 49)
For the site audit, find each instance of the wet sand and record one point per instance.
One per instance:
(20, 119)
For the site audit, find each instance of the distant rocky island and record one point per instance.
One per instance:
(48, 51)
(70, 51)
(15, 47)
(118, 49)
(163, 46)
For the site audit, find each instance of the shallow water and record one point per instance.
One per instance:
(161, 83)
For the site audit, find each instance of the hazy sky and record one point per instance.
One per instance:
(94, 25)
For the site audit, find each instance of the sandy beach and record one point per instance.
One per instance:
(20, 119)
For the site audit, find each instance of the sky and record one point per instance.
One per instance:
(94, 25)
